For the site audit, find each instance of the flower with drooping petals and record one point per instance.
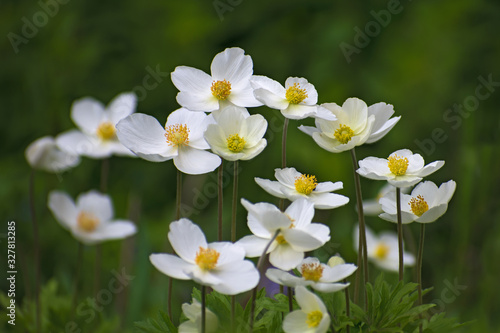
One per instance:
(96, 136)
(293, 185)
(425, 204)
(237, 135)
(312, 317)
(296, 232)
(193, 313)
(401, 169)
(315, 274)
(220, 265)
(352, 127)
(44, 154)
(90, 219)
(181, 140)
(383, 121)
(229, 83)
(383, 250)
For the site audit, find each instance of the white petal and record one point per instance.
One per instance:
(270, 99)
(171, 265)
(328, 187)
(232, 65)
(301, 211)
(379, 134)
(309, 130)
(44, 154)
(299, 111)
(319, 231)
(328, 200)
(237, 277)
(357, 111)
(229, 253)
(196, 123)
(281, 277)
(338, 272)
(430, 168)
(244, 97)
(197, 102)
(445, 191)
(63, 208)
(253, 245)
(374, 166)
(312, 94)
(121, 106)
(256, 126)
(271, 187)
(76, 143)
(285, 258)
(87, 113)
(263, 82)
(96, 203)
(192, 80)
(329, 287)
(194, 162)
(287, 176)
(295, 322)
(308, 301)
(118, 229)
(301, 241)
(249, 153)
(186, 239)
(432, 214)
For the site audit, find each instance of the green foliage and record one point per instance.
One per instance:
(161, 325)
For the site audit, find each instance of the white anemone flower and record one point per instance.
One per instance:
(425, 204)
(220, 265)
(293, 185)
(401, 169)
(352, 127)
(193, 325)
(296, 232)
(383, 250)
(181, 140)
(237, 135)
(383, 121)
(90, 219)
(44, 154)
(296, 100)
(319, 276)
(312, 317)
(96, 136)
(373, 207)
(229, 83)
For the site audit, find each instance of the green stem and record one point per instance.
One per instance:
(235, 202)
(281, 204)
(36, 254)
(347, 306)
(220, 201)
(79, 263)
(400, 233)
(290, 299)
(97, 268)
(178, 195)
(203, 309)
(419, 266)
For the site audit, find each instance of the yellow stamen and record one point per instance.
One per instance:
(177, 135)
(295, 95)
(397, 165)
(281, 240)
(381, 251)
(87, 222)
(314, 318)
(106, 131)
(343, 134)
(235, 143)
(312, 272)
(206, 259)
(305, 184)
(418, 205)
(221, 89)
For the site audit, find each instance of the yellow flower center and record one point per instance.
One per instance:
(305, 184)
(106, 131)
(314, 318)
(294, 94)
(206, 259)
(343, 134)
(235, 143)
(177, 135)
(221, 89)
(87, 222)
(397, 165)
(312, 272)
(281, 240)
(418, 205)
(381, 251)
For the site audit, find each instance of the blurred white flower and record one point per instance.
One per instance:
(181, 140)
(193, 325)
(312, 317)
(44, 154)
(96, 133)
(296, 232)
(293, 185)
(373, 206)
(383, 250)
(229, 83)
(401, 169)
(90, 220)
(221, 265)
(237, 135)
(425, 204)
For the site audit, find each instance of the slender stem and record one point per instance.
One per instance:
(281, 204)
(203, 309)
(290, 300)
(259, 264)
(400, 233)
(347, 306)
(36, 245)
(235, 202)
(97, 268)
(362, 248)
(220, 201)
(79, 263)
(178, 195)
(419, 266)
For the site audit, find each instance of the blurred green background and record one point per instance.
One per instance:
(427, 58)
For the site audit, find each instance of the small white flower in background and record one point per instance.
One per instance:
(193, 325)
(296, 100)
(312, 317)
(373, 207)
(293, 185)
(401, 169)
(44, 154)
(96, 133)
(229, 83)
(352, 127)
(425, 204)
(296, 232)
(181, 140)
(237, 135)
(315, 274)
(90, 219)
(383, 249)
(383, 121)
(220, 265)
